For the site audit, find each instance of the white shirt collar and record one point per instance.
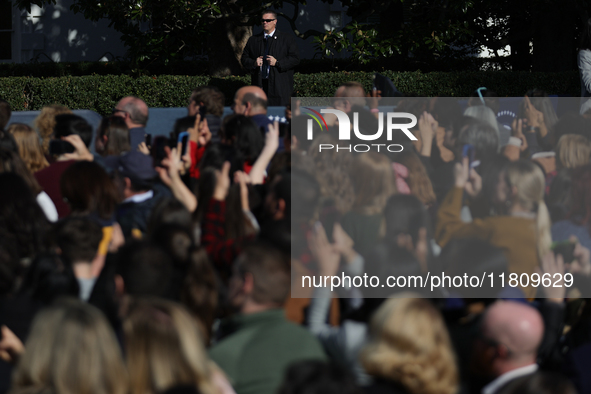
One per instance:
(499, 382)
(137, 198)
(270, 34)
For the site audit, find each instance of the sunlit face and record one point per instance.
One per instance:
(269, 22)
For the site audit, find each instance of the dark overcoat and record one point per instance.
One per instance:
(284, 49)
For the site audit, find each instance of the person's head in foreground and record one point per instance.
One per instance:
(71, 349)
(409, 348)
(164, 349)
(510, 335)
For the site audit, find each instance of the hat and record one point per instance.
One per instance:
(137, 165)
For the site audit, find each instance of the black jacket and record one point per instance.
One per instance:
(284, 49)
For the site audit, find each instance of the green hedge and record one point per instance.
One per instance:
(101, 92)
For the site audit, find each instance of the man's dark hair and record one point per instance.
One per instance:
(269, 11)
(5, 113)
(270, 270)
(146, 269)
(318, 377)
(212, 98)
(68, 124)
(254, 100)
(78, 238)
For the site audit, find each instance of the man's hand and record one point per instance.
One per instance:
(10, 346)
(272, 61)
(200, 132)
(81, 151)
(259, 62)
(554, 264)
(467, 178)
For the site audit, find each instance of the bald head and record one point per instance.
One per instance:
(249, 101)
(517, 326)
(134, 110)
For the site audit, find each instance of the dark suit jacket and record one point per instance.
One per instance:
(284, 49)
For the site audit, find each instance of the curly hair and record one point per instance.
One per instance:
(45, 122)
(410, 345)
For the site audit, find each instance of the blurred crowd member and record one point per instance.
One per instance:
(542, 382)
(488, 117)
(572, 151)
(112, 137)
(91, 193)
(263, 343)
(510, 335)
(578, 217)
(409, 350)
(29, 148)
(45, 123)
(540, 118)
(78, 241)
(71, 349)
(318, 377)
(134, 111)
(522, 227)
(71, 138)
(164, 351)
(140, 192)
(11, 162)
(22, 218)
(208, 100)
(374, 182)
(5, 113)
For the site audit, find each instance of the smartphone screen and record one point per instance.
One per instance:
(59, 147)
(183, 139)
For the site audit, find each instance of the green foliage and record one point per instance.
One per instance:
(361, 40)
(100, 93)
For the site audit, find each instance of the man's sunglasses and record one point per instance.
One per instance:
(267, 20)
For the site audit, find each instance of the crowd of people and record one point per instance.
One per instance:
(172, 264)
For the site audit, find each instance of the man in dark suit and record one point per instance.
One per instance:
(270, 57)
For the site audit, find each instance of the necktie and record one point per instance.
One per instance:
(265, 70)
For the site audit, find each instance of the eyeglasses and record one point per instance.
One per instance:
(267, 20)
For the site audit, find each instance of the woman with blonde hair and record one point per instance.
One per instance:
(29, 147)
(521, 226)
(409, 350)
(572, 151)
(45, 122)
(71, 350)
(164, 350)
